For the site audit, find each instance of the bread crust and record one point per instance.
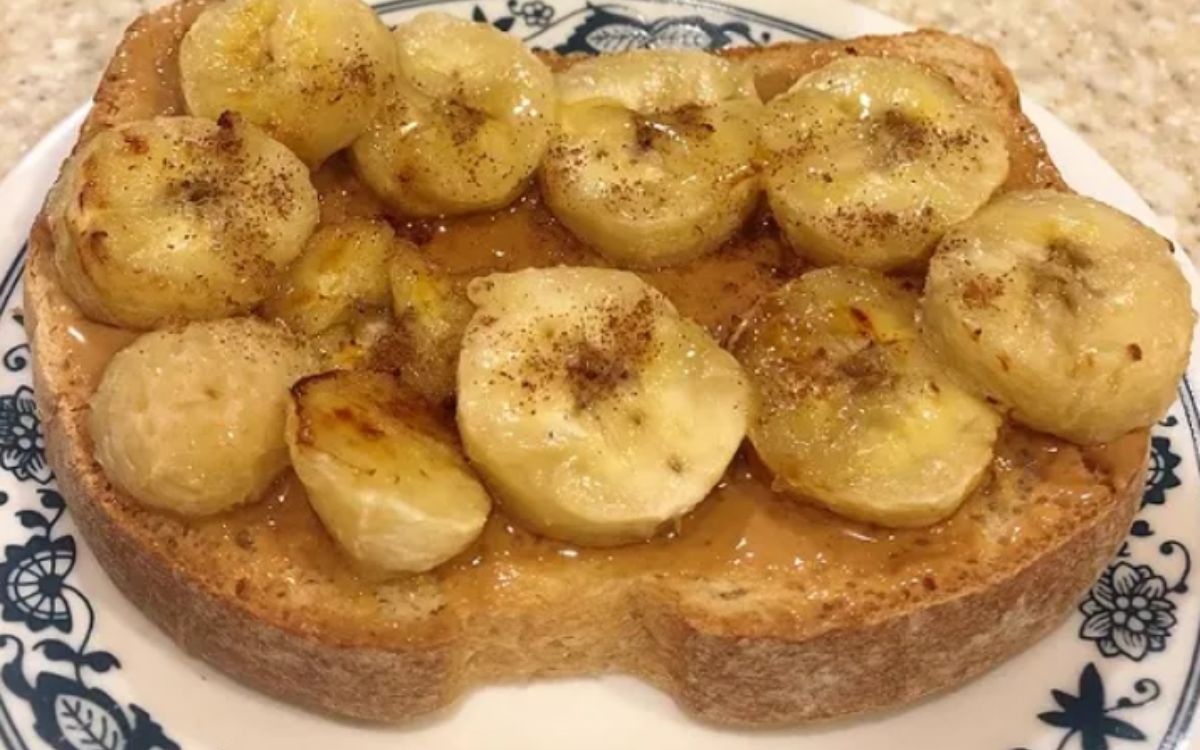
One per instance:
(749, 666)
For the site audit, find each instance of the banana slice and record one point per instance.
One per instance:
(870, 160)
(178, 218)
(851, 411)
(343, 270)
(594, 411)
(1068, 312)
(660, 80)
(466, 123)
(432, 311)
(191, 419)
(653, 160)
(313, 73)
(351, 344)
(386, 478)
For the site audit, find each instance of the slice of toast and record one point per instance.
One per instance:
(756, 611)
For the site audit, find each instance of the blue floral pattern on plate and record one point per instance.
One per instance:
(22, 447)
(1087, 716)
(37, 593)
(1128, 612)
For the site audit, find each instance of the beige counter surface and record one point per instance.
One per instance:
(1124, 73)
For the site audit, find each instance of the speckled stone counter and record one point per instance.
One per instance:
(1124, 73)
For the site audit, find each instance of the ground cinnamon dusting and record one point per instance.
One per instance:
(464, 122)
(906, 136)
(981, 291)
(869, 369)
(597, 359)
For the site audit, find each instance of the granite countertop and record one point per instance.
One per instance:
(1124, 73)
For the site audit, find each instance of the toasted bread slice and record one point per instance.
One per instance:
(757, 611)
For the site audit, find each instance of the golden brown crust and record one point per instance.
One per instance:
(747, 661)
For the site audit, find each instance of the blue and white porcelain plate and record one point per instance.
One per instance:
(82, 669)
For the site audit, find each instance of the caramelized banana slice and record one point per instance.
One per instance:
(343, 270)
(1068, 312)
(870, 160)
(659, 80)
(652, 163)
(178, 218)
(431, 312)
(594, 411)
(851, 412)
(384, 475)
(311, 72)
(466, 123)
(191, 419)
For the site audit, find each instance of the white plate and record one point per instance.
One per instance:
(83, 670)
